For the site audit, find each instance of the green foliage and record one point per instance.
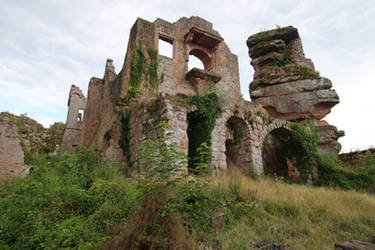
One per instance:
(202, 159)
(332, 174)
(152, 69)
(367, 164)
(194, 202)
(161, 160)
(67, 203)
(261, 37)
(201, 124)
(284, 59)
(37, 142)
(124, 141)
(142, 67)
(54, 137)
(307, 72)
(302, 148)
(137, 67)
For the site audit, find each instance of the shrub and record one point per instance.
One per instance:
(64, 204)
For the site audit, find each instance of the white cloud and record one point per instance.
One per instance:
(48, 45)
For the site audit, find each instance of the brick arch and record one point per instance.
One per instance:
(272, 126)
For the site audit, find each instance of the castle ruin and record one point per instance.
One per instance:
(122, 109)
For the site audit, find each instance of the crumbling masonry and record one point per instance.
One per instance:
(123, 109)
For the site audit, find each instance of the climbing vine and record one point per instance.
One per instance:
(302, 148)
(142, 67)
(124, 141)
(201, 124)
(137, 66)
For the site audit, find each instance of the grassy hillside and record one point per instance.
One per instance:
(303, 217)
(80, 202)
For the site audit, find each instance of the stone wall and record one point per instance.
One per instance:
(21, 139)
(11, 153)
(351, 159)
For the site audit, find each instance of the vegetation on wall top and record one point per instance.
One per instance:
(35, 139)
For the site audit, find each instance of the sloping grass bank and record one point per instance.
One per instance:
(79, 202)
(301, 216)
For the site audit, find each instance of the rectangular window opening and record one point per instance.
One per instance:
(80, 115)
(165, 47)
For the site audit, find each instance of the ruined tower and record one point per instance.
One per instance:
(200, 105)
(74, 120)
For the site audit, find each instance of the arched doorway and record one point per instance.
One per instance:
(238, 145)
(276, 156)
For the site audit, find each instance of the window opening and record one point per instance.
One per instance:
(80, 115)
(165, 47)
(195, 62)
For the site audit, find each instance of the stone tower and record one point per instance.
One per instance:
(74, 120)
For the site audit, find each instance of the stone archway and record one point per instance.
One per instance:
(275, 155)
(238, 145)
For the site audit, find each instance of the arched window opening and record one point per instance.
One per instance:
(203, 57)
(195, 62)
(165, 47)
(237, 145)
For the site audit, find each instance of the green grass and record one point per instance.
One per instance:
(79, 202)
(301, 216)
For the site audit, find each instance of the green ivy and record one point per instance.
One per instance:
(124, 141)
(137, 66)
(302, 148)
(201, 123)
(142, 67)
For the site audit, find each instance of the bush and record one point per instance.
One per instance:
(64, 204)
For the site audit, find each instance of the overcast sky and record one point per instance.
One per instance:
(45, 46)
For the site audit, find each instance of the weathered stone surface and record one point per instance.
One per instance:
(328, 137)
(11, 153)
(287, 85)
(199, 73)
(315, 104)
(295, 87)
(271, 74)
(354, 245)
(20, 134)
(266, 47)
(286, 34)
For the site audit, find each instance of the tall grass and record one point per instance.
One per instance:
(303, 217)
